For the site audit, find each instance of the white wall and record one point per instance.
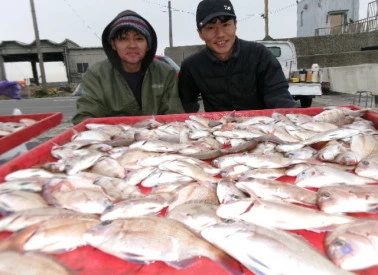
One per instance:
(315, 14)
(351, 79)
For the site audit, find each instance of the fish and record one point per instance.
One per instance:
(278, 190)
(159, 177)
(354, 246)
(322, 175)
(263, 173)
(96, 135)
(348, 199)
(282, 215)
(148, 239)
(255, 161)
(58, 235)
(368, 167)
(364, 145)
(109, 167)
(116, 188)
(32, 174)
(21, 219)
(13, 201)
(34, 185)
(194, 192)
(87, 198)
(228, 192)
(269, 251)
(339, 133)
(150, 204)
(82, 159)
(13, 262)
(194, 171)
(196, 215)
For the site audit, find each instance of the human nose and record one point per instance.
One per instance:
(219, 31)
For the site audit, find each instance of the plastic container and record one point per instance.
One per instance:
(87, 260)
(315, 73)
(44, 122)
(302, 75)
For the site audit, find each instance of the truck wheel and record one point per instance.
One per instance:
(306, 101)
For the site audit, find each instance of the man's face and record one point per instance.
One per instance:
(131, 47)
(219, 35)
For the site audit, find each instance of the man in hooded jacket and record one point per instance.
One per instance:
(130, 82)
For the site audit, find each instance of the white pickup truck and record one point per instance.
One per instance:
(286, 54)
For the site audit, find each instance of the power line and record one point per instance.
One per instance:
(82, 20)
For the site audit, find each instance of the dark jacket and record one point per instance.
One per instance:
(251, 79)
(106, 93)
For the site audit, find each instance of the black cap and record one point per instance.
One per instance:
(208, 9)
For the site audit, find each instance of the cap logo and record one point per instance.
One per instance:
(227, 7)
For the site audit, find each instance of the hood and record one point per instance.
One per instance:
(113, 56)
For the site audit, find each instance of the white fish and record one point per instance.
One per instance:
(196, 215)
(19, 200)
(227, 192)
(368, 167)
(321, 175)
(12, 262)
(148, 239)
(343, 199)
(22, 219)
(150, 204)
(278, 190)
(57, 235)
(109, 167)
(282, 215)
(354, 246)
(266, 251)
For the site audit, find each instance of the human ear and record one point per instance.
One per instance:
(200, 34)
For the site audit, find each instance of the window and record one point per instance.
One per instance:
(276, 51)
(82, 67)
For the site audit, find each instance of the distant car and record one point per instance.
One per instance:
(169, 61)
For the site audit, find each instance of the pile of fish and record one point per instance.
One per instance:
(7, 128)
(235, 190)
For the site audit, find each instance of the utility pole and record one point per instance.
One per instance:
(170, 24)
(38, 44)
(266, 18)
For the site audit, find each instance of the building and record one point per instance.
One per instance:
(322, 17)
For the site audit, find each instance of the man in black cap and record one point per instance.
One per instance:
(230, 73)
(130, 82)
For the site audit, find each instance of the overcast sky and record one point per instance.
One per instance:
(83, 21)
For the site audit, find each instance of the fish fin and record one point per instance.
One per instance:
(181, 264)
(228, 263)
(17, 240)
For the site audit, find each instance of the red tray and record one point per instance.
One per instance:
(88, 260)
(44, 122)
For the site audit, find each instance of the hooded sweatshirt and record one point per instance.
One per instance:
(106, 93)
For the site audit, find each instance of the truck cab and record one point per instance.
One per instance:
(286, 54)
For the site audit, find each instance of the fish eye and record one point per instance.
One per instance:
(343, 245)
(365, 162)
(325, 195)
(107, 222)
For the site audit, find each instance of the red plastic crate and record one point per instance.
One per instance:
(88, 260)
(45, 122)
